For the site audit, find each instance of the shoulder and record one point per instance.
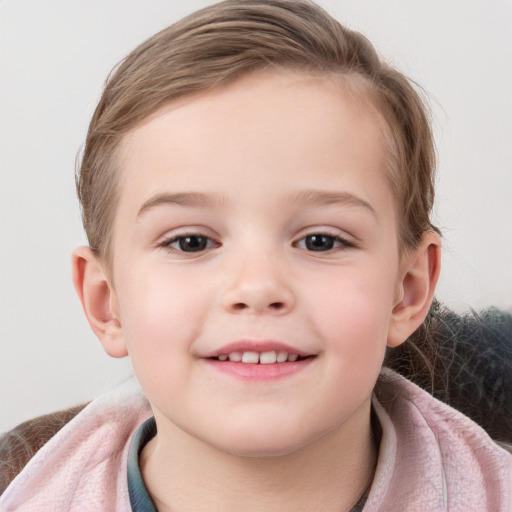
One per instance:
(21, 443)
(86, 457)
(432, 455)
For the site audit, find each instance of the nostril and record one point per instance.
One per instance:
(240, 306)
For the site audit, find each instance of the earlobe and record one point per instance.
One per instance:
(98, 300)
(420, 273)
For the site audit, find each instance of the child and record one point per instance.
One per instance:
(256, 189)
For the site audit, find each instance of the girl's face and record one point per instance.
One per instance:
(256, 221)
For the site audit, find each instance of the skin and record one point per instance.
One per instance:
(277, 158)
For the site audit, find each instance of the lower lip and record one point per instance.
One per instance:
(261, 372)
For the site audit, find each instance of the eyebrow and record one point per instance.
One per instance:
(304, 198)
(192, 199)
(308, 198)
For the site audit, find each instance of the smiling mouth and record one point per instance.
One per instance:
(259, 361)
(251, 357)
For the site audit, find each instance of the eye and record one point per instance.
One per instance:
(189, 243)
(320, 242)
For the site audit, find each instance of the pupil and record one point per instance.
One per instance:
(319, 242)
(193, 243)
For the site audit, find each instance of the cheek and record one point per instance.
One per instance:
(354, 317)
(355, 338)
(158, 316)
(159, 328)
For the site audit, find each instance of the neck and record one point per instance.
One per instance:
(183, 474)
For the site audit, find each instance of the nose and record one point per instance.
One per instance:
(258, 284)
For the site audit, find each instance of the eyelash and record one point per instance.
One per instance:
(168, 243)
(343, 242)
(209, 243)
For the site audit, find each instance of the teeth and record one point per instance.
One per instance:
(282, 356)
(255, 357)
(268, 357)
(250, 357)
(236, 357)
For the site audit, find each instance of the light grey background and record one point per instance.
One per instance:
(54, 57)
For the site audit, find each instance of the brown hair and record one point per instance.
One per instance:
(225, 41)
(232, 38)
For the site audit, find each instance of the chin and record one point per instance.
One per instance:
(262, 450)
(266, 442)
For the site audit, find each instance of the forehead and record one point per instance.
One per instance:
(267, 131)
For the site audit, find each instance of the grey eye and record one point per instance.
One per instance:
(192, 243)
(322, 242)
(319, 242)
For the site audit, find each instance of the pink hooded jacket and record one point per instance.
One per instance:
(432, 458)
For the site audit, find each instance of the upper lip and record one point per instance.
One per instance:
(256, 346)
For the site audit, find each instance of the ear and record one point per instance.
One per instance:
(98, 300)
(420, 272)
